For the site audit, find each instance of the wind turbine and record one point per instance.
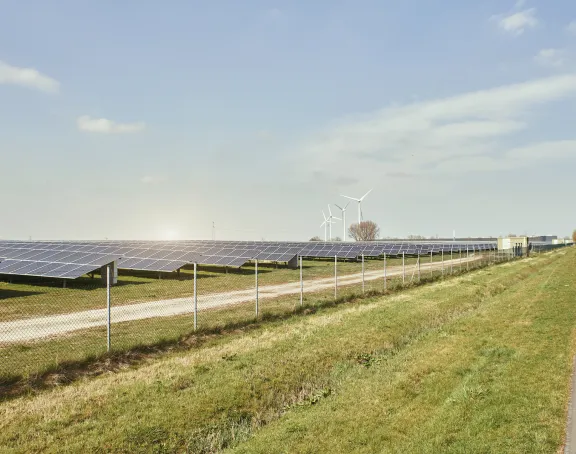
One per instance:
(359, 204)
(330, 220)
(343, 220)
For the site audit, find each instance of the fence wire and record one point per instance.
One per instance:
(44, 326)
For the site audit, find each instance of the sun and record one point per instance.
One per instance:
(170, 235)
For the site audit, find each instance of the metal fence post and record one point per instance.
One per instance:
(442, 261)
(335, 276)
(195, 296)
(460, 252)
(108, 311)
(451, 261)
(256, 274)
(403, 268)
(418, 265)
(362, 273)
(467, 261)
(301, 284)
(385, 284)
(431, 265)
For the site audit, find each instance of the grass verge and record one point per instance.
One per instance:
(479, 363)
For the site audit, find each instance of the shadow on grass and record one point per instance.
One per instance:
(12, 386)
(5, 294)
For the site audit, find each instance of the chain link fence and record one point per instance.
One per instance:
(45, 327)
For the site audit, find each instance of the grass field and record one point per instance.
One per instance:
(477, 363)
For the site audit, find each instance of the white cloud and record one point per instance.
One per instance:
(517, 23)
(520, 4)
(551, 57)
(105, 126)
(151, 179)
(27, 77)
(571, 28)
(455, 134)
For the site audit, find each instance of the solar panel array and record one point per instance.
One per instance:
(50, 263)
(70, 259)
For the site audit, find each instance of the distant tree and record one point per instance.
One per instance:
(574, 236)
(364, 231)
(336, 238)
(315, 238)
(416, 237)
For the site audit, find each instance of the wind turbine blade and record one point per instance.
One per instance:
(329, 210)
(322, 225)
(334, 217)
(346, 206)
(351, 198)
(362, 198)
(325, 218)
(338, 206)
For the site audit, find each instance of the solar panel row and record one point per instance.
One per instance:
(172, 255)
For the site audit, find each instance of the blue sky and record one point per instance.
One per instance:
(151, 120)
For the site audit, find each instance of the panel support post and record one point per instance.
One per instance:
(195, 296)
(335, 276)
(108, 311)
(362, 273)
(301, 284)
(256, 279)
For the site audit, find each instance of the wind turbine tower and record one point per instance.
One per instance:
(343, 220)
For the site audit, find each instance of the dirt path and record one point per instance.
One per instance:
(31, 329)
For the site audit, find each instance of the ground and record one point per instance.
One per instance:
(475, 363)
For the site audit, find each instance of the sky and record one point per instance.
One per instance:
(154, 120)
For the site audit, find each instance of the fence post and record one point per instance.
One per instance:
(256, 277)
(442, 261)
(451, 261)
(431, 264)
(385, 284)
(403, 269)
(195, 296)
(108, 311)
(335, 277)
(301, 284)
(467, 262)
(362, 273)
(460, 252)
(418, 264)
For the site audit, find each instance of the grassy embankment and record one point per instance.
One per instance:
(478, 363)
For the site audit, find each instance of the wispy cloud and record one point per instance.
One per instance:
(455, 134)
(516, 23)
(27, 77)
(555, 58)
(104, 126)
(571, 28)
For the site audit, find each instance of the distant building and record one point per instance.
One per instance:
(543, 239)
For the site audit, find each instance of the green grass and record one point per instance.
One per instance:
(478, 363)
